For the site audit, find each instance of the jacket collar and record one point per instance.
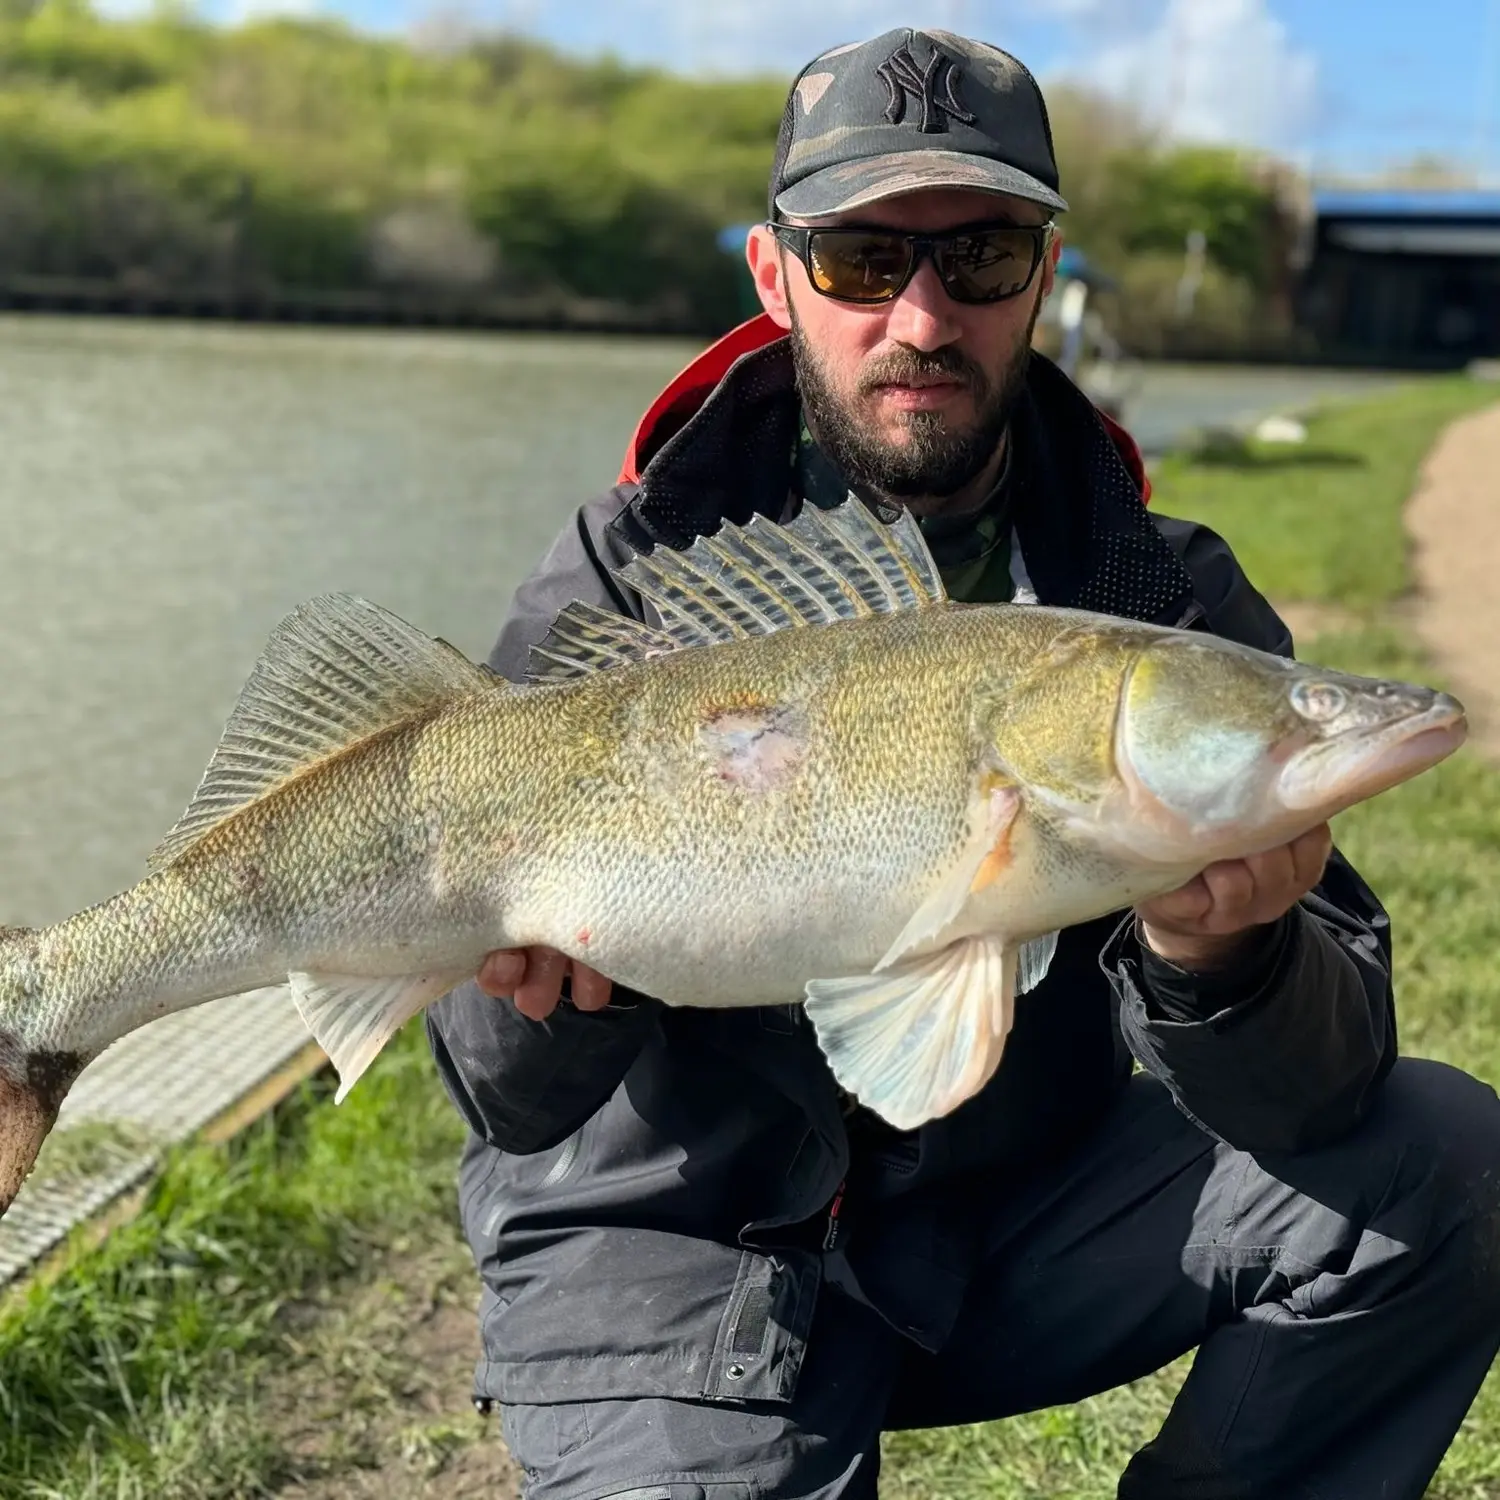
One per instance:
(690, 388)
(1080, 514)
(718, 444)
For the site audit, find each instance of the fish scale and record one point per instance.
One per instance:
(807, 777)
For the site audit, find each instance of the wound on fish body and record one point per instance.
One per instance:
(758, 748)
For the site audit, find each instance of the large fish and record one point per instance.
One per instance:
(815, 778)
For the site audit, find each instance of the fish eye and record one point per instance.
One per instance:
(1318, 701)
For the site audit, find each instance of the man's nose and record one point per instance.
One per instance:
(923, 315)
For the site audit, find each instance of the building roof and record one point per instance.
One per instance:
(1405, 203)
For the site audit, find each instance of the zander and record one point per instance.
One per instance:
(812, 778)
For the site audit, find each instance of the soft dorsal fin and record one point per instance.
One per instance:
(823, 566)
(585, 638)
(335, 671)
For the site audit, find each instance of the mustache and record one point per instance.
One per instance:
(905, 365)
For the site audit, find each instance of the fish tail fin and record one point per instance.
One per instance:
(26, 1117)
(33, 1083)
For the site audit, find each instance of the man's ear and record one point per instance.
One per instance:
(763, 256)
(1049, 262)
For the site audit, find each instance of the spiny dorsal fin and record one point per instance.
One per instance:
(825, 565)
(885, 562)
(745, 581)
(335, 671)
(585, 638)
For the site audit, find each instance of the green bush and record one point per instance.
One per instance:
(1133, 202)
(150, 192)
(56, 47)
(275, 153)
(1223, 314)
(1172, 194)
(577, 217)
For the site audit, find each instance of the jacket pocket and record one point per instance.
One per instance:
(686, 1490)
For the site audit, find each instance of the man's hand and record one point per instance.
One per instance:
(1201, 925)
(533, 977)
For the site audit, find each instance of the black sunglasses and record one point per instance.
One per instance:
(978, 263)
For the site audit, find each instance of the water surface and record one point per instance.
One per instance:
(169, 491)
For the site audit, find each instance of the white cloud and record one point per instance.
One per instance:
(1208, 70)
(1217, 70)
(779, 36)
(1213, 70)
(236, 12)
(1116, 13)
(227, 12)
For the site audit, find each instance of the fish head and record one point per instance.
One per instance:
(1204, 749)
(1223, 750)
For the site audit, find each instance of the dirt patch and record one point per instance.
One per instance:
(373, 1403)
(1454, 521)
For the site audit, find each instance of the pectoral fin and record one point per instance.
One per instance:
(984, 858)
(914, 1041)
(353, 1016)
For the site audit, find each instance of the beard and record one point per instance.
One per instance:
(937, 458)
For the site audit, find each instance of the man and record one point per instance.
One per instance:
(708, 1274)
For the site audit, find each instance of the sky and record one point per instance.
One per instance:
(1334, 85)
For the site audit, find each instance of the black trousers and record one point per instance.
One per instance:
(1344, 1303)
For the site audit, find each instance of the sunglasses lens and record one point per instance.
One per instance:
(858, 265)
(988, 265)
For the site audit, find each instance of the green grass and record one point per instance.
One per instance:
(1322, 520)
(134, 1373)
(1322, 523)
(150, 1367)
(89, 1149)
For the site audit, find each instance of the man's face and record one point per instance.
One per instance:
(909, 397)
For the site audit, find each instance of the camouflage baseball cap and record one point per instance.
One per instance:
(908, 110)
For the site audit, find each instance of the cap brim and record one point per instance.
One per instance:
(872, 179)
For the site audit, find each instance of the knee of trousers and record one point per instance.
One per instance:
(1410, 1196)
(1438, 1129)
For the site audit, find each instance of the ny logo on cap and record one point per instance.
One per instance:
(903, 75)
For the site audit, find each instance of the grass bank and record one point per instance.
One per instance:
(163, 1364)
(1319, 523)
(155, 1367)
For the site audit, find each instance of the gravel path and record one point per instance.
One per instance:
(1454, 522)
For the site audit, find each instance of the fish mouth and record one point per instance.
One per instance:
(1336, 774)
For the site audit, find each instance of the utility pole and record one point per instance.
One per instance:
(1177, 49)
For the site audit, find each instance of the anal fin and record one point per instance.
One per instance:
(914, 1040)
(1034, 960)
(353, 1016)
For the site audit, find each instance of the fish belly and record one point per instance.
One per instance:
(704, 934)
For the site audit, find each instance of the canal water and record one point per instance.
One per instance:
(168, 492)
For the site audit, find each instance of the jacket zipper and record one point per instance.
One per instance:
(831, 1233)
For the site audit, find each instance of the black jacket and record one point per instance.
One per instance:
(646, 1189)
